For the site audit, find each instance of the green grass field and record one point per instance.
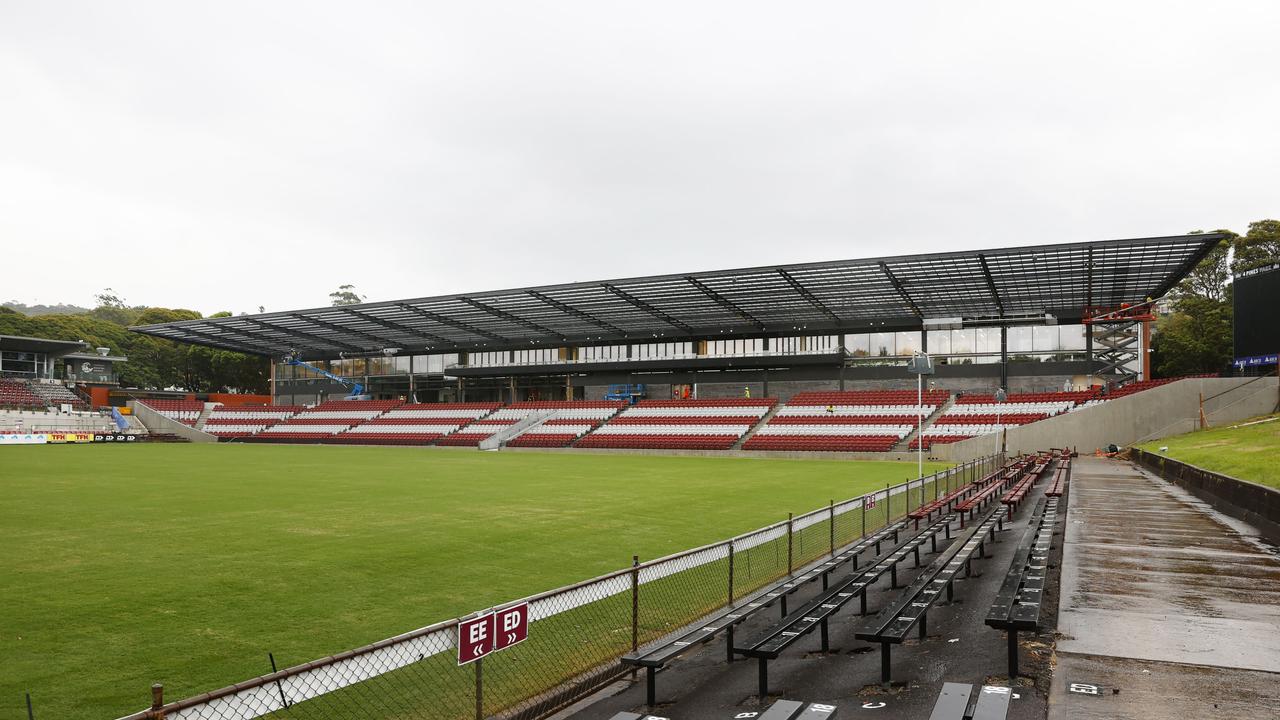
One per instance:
(184, 564)
(1248, 450)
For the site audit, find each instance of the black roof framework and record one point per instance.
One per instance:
(848, 296)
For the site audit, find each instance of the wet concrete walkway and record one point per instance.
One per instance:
(1166, 609)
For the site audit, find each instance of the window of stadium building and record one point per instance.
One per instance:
(737, 346)
(23, 363)
(662, 350)
(976, 345)
(603, 352)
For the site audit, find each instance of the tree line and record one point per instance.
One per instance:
(1196, 337)
(154, 363)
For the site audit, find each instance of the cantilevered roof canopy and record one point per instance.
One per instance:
(1007, 285)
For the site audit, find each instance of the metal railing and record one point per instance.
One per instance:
(576, 633)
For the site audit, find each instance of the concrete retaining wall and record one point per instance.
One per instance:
(1167, 410)
(157, 423)
(1255, 504)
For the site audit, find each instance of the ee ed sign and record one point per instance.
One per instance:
(511, 626)
(869, 502)
(492, 631)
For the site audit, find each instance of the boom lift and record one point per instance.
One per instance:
(357, 389)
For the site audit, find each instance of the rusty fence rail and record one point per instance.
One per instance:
(576, 633)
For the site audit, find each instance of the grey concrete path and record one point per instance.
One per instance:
(1166, 609)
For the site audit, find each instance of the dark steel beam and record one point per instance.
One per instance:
(991, 282)
(510, 317)
(464, 326)
(307, 337)
(403, 330)
(580, 314)
(725, 303)
(642, 305)
(808, 296)
(902, 291)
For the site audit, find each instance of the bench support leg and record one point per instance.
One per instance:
(933, 543)
(982, 549)
(950, 592)
(924, 623)
(1013, 655)
(916, 552)
(948, 527)
(968, 567)
(877, 547)
(895, 536)
(893, 576)
(651, 689)
(855, 561)
(784, 605)
(999, 528)
(825, 642)
(863, 598)
(824, 581)
(764, 677)
(728, 648)
(884, 663)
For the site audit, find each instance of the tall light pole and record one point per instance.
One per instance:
(1001, 396)
(921, 365)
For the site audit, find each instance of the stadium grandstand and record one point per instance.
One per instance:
(804, 358)
(1032, 319)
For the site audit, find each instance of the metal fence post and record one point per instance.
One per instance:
(831, 505)
(790, 537)
(635, 603)
(730, 572)
(479, 688)
(30, 715)
(864, 516)
(157, 702)
(888, 505)
(284, 702)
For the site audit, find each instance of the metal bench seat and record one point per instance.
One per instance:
(656, 655)
(816, 613)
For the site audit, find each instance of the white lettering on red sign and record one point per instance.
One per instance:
(512, 626)
(475, 638)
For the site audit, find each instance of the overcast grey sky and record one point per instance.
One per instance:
(222, 156)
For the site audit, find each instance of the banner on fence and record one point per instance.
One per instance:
(116, 437)
(23, 439)
(76, 437)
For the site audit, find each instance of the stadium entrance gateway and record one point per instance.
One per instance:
(491, 632)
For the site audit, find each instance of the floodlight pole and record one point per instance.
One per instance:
(1001, 396)
(919, 426)
(921, 365)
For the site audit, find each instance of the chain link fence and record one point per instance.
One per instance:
(576, 633)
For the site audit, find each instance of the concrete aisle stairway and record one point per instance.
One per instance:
(905, 443)
(203, 417)
(764, 420)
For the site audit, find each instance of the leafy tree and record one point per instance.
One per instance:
(1258, 248)
(108, 298)
(154, 363)
(1196, 336)
(1209, 278)
(346, 295)
(1195, 339)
